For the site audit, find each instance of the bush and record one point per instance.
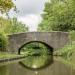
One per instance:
(3, 41)
(72, 35)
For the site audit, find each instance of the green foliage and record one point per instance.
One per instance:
(10, 26)
(3, 41)
(15, 27)
(67, 51)
(72, 35)
(4, 23)
(35, 48)
(6, 5)
(58, 16)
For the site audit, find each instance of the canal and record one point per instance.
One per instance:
(39, 61)
(38, 66)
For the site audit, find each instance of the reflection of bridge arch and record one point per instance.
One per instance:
(47, 63)
(53, 39)
(48, 47)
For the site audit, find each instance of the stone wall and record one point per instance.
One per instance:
(53, 39)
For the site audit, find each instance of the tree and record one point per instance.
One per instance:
(6, 5)
(3, 41)
(10, 26)
(59, 15)
(16, 27)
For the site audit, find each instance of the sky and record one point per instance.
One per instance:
(29, 12)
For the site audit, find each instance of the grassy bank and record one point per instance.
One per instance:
(68, 53)
(8, 55)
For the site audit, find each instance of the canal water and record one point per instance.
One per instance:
(36, 65)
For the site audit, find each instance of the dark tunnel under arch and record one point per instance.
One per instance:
(45, 44)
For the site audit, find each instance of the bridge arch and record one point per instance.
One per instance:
(45, 44)
(54, 40)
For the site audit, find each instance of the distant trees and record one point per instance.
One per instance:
(10, 26)
(15, 26)
(59, 15)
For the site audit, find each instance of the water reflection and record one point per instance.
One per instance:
(37, 62)
(56, 68)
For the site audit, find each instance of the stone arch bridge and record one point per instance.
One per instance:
(53, 39)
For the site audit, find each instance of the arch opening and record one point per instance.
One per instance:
(36, 47)
(38, 54)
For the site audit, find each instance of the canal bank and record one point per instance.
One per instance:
(7, 57)
(11, 59)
